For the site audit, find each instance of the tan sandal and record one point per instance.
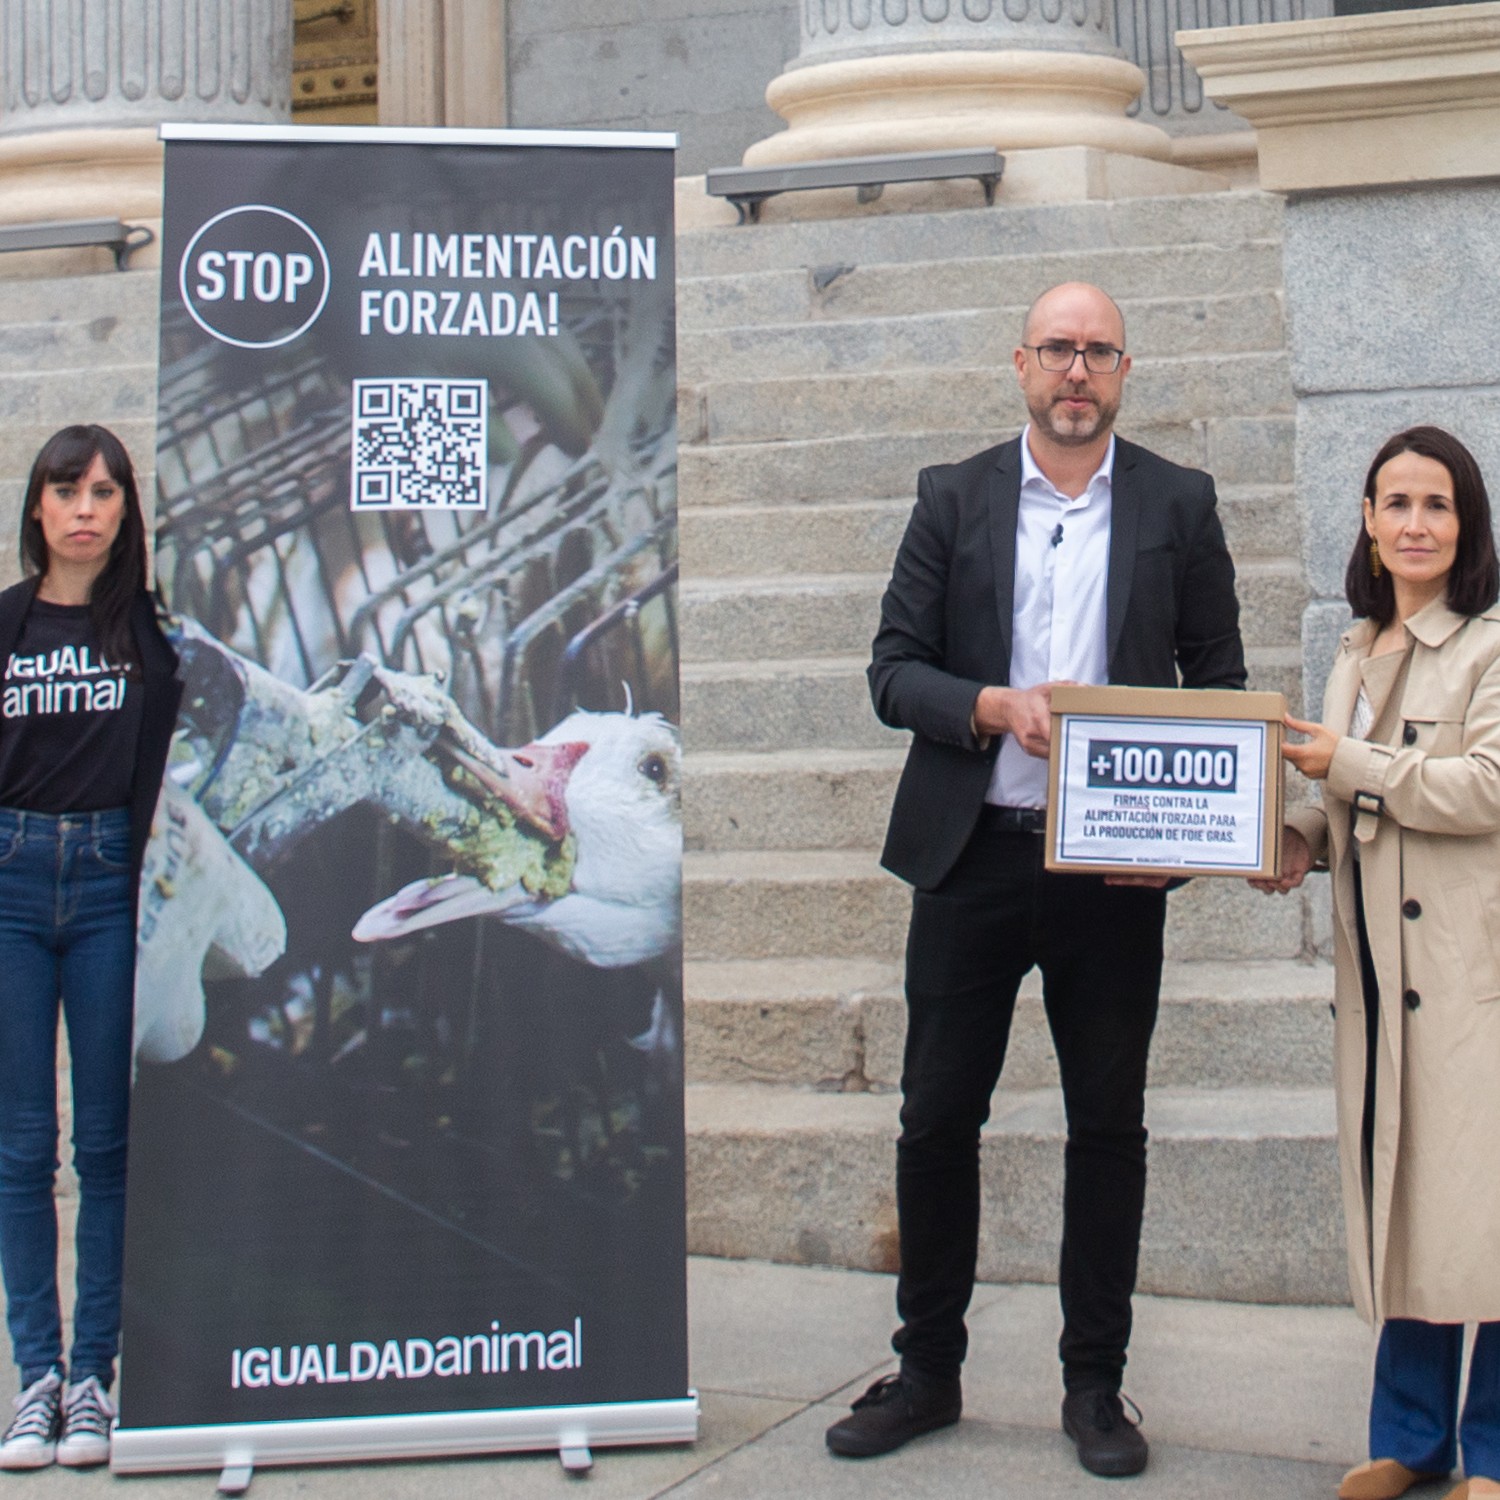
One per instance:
(1382, 1479)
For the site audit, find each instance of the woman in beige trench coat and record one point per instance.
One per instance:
(1409, 757)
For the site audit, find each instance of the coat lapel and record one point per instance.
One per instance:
(1343, 686)
(1004, 504)
(1124, 523)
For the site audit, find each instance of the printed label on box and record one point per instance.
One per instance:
(1162, 793)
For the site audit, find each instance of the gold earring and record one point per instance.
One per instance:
(1375, 569)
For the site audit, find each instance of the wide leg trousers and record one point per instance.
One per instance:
(1414, 1409)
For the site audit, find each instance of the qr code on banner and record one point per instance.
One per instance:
(419, 445)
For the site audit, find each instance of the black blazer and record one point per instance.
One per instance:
(945, 625)
(163, 692)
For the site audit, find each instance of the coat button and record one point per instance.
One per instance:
(1412, 999)
(1409, 735)
(1411, 909)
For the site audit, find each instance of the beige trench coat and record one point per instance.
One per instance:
(1424, 1232)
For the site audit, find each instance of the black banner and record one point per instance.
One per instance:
(406, 1134)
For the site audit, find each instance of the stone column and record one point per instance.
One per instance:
(67, 63)
(1174, 96)
(84, 84)
(878, 76)
(442, 62)
(1385, 131)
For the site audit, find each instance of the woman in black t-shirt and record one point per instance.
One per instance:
(87, 702)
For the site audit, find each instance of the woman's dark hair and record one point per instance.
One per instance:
(1474, 580)
(64, 458)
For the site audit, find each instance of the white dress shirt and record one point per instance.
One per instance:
(1058, 630)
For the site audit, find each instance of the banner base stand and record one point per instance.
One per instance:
(237, 1450)
(235, 1476)
(576, 1458)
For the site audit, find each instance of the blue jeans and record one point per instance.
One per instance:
(1414, 1409)
(67, 932)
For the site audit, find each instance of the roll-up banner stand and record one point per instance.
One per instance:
(406, 1149)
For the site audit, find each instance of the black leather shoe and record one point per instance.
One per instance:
(1109, 1442)
(892, 1412)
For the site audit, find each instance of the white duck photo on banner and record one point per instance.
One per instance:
(613, 784)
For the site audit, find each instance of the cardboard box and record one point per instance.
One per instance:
(1165, 781)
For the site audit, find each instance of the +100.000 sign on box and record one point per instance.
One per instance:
(1169, 781)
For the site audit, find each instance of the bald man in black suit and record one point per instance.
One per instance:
(1066, 554)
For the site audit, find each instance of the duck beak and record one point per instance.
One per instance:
(430, 903)
(531, 781)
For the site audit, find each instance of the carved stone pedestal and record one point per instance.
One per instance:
(877, 76)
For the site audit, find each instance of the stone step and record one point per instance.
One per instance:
(1202, 219)
(1171, 391)
(812, 615)
(841, 1024)
(839, 903)
(822, 1023)
(20, 438)
(837, 614)
(724, 541)
(799, 799)
(950, 280)
(788, 799)
(792, 903)
(70, 342)
(1242, 1202)
(76, 348)
(819, 702)
(824, 702)
(862, 535)
(126, 295)
(104, 393)
(1156, 327)
(1249, 451)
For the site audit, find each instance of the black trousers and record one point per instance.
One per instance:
(1099, 947)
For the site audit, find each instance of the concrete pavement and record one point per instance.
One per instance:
(1239, 1400)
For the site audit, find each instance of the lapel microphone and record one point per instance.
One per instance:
(1057, 535)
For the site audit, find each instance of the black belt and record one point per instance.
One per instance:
(1013, 819)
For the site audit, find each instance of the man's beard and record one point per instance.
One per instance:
(1073, 431)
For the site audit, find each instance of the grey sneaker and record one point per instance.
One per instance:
(30, 1442)
(87, 1413)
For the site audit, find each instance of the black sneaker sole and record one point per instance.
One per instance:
(853, 1445)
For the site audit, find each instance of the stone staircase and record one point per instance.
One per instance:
(821, 365)
(73, 349)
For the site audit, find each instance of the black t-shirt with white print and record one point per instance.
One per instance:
(69, 720)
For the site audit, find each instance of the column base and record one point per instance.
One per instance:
(934, 101)
(81, 174)
(1233, 154)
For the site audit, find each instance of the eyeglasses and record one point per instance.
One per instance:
(1057, 358)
